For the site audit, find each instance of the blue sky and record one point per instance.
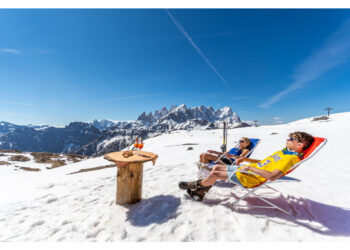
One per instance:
(59, 66)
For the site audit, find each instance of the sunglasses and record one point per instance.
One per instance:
(241, 141)
(292, 139)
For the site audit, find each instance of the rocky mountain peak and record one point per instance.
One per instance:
(142, 117)
(160, 113)
(201, 115)
(172, 108)
(224, 112)
(146, 119)
(182, 107)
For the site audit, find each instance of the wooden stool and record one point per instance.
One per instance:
(130, 174)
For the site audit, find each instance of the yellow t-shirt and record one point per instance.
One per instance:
(282, 160)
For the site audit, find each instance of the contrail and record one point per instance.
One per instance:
(335, 51)
(187, 36)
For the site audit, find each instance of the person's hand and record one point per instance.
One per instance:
(239, 160)
(244, 168)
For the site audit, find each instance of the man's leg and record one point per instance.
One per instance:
(203, 187)
(219, 172)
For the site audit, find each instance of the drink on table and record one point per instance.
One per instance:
(140, 144)
(136, 143)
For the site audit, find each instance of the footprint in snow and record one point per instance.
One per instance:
(51, 200)
(38, 223)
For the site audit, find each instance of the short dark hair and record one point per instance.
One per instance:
(303, 137)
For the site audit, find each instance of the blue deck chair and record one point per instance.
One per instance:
(254, 144)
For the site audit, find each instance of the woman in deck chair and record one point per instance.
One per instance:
(271, 168)
(226, 158)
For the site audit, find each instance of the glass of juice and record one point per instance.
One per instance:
(140, 144)
(136, 143)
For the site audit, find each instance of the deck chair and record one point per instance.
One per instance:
(202, 170)
(317, 144)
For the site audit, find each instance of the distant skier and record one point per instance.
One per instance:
(271, 168)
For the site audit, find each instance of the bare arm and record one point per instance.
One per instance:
(244, 152)
(274, 175)
(247, 160)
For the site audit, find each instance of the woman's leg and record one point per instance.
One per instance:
(206, 158)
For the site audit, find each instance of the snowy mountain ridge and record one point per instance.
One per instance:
(176, 116)
(163, 121)
(100, 137)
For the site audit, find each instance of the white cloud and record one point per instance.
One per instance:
(11, 51)
(187, 36)
(276, 120)
(16, 103)
(335, 51)
(30, 51)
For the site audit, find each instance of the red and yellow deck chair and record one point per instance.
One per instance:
(317, 144)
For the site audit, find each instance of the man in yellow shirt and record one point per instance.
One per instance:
(271, 168)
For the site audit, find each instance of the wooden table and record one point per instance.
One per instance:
(130, 174)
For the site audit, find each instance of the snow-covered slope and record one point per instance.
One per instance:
(58, 206)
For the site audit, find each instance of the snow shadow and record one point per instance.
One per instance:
(158, 209)
(223, 184)
(287, 178)
(318, 217)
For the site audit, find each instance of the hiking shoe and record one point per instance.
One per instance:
(192, 185)
(198, 194)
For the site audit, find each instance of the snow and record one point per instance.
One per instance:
(224, 112)
(105, 143)
(181, 108)
(54, 205)
(70, 147)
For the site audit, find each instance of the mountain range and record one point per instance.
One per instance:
(100, 137)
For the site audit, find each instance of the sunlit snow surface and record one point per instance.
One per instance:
(51, 205)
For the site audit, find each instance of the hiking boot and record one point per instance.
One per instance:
(192, 185)
(198, 194)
